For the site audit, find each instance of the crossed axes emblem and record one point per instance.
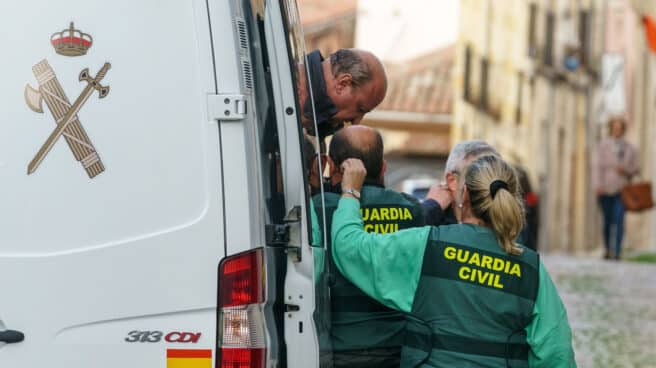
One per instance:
(65, 115)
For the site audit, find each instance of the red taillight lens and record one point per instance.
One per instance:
(242, 358)
(241, 280)
(242, 339)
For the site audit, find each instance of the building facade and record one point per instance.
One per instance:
(529, 79)
(415, 40)
(415, 116)
(328, 25)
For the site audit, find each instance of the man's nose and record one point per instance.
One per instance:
(357, 119)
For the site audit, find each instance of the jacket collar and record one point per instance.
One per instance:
(324, 108)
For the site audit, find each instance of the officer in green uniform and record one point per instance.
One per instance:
(473, 297)
(364, 332)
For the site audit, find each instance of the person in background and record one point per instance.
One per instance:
(616, 161)
(471, 295)
(529, 234)
(344, 87)
(364, 332)
(437, 206)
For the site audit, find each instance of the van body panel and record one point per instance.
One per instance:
(245, 212)
(86, 261)
(117, 266)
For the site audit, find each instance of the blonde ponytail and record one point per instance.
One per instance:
(495, 198)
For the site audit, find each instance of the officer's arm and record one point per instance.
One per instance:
(417, 210)
(432, 212)
(385, 266)
(549, 334)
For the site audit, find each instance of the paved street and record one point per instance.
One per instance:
(612, 310)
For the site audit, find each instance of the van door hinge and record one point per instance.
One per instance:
(294, 215)
(226, 107)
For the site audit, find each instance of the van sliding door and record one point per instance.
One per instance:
(305, 328)
(306, 332)
(265, 181)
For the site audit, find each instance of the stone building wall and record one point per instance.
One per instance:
(544, 114)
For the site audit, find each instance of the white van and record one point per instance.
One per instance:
(153, 206)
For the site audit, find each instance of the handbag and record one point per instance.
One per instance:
(637, 196)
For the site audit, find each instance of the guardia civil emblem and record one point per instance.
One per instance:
(70, 42)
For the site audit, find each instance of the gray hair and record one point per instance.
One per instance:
(347, 61)
(467, 150)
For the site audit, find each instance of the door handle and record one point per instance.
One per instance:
(11, 336)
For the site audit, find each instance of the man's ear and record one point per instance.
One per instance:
(314, 170)
(331, 165)
(334, 171)
(343, 81)
(324, 161)
(452, 182)
(336, 177)
(383, 169)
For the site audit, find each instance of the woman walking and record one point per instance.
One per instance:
(472, 297)
(615, 163)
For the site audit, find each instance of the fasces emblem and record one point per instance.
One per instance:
(65, 114)
(69, 42)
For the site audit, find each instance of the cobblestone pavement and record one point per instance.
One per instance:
(611, 308)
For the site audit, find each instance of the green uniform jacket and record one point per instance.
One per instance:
(389, 268)
(364, 332)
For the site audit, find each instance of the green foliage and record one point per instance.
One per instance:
(645, 258)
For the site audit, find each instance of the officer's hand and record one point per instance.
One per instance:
(440, 193)
(353, 174)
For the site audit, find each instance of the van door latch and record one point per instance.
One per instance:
(292, 308)
(226, 107)
(277, 235)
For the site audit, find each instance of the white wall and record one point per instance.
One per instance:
(397, 30)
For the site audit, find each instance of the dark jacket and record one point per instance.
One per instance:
(434, 215)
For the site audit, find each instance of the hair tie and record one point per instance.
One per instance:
(496, 185)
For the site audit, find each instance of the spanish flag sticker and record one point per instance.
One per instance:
(188, 358)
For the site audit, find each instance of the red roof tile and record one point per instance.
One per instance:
(422, 84)
(318, 11)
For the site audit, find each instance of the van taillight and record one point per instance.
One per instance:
(242, 342)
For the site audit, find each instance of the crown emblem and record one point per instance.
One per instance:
(71, 42)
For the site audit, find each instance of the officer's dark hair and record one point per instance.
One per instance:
(371, 155)
(347, 61)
